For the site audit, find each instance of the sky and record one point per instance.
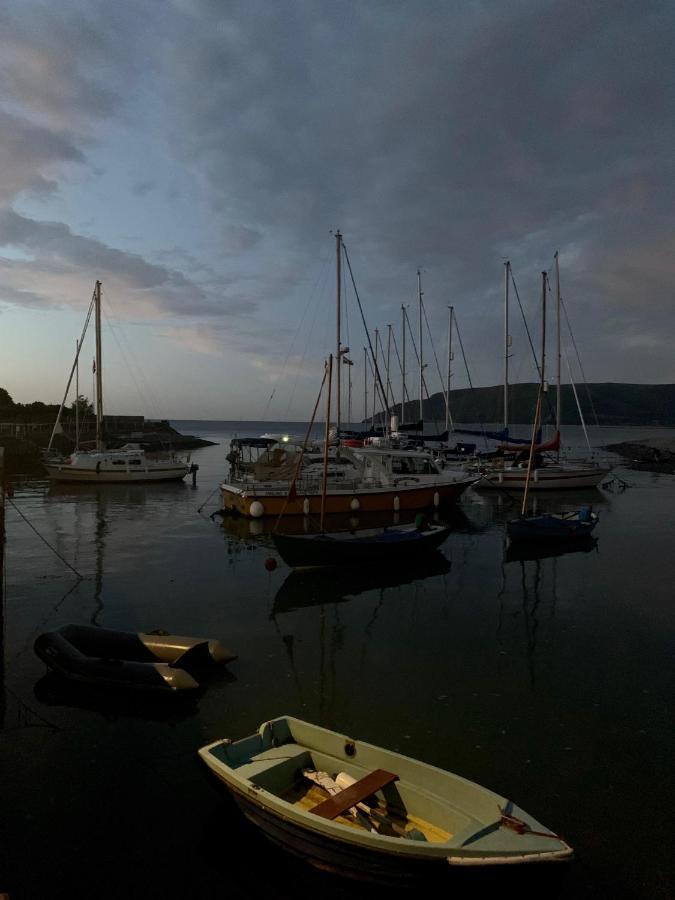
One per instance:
(197, 156)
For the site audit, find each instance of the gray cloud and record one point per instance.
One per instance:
(436, 135)
(443, 139)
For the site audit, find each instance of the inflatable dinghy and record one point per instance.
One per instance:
(167, 663)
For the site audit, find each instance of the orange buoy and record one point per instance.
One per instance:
(270, 563)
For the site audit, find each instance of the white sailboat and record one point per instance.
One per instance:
(130, 462)
(547, 474)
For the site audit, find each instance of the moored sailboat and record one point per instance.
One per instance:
(130, 462)
(546, 473)
(548, 527)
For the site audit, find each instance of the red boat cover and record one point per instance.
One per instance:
(553, 444)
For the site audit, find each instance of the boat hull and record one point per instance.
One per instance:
(339, 857)
(339, 550)
(242, 499)
(543, 480)
(73, 474)
(550, 528)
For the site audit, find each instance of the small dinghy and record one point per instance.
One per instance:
(165, 663)
(369, 813)
(572, 526)
(387, 545)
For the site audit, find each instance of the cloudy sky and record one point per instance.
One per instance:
(195, 156)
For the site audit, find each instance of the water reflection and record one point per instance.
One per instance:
(314, 587)
(52, 690)
(260, 531)
(522, 551)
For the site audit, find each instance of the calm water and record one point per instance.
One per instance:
(548, 680)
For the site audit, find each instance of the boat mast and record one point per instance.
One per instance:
(365, 384)
(540, 394)
(388, 391)
(419, 303)
(557, 313)
(338, 354)
(77, 395)
(99, 379)
(403, 364)
(507, 273)
(447, 389)
(324, 482)
(377, 342)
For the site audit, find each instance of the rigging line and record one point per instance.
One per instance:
(529, 337)
(304, 448)
(113, 331)
(378, 378)
(52, 548)
(438, 367)
(527, 330)
(400, 366)
(583, 374)
(417, 357)
(306, 347)
(468, 373)
(115, 327)
(320, 275)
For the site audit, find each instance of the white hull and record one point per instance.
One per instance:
(64, 472)
(550, 478)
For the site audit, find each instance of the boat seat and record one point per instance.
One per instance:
(337, 804)
(274, 765)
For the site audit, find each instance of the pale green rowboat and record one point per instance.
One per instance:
(421, 822)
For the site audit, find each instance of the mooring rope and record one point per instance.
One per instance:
(42, 538)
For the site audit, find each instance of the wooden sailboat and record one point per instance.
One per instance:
(369, 813)
(130, 463)
(558, 527)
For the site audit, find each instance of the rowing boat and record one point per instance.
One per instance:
(368, 813)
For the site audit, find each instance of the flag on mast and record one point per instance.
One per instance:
(93, 366)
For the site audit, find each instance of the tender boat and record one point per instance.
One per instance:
(365, 812)
(386, 545)
(165, 663)
(571, 526)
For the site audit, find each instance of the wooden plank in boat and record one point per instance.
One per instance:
(339, 803)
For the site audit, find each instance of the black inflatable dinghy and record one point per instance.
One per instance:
(167, 663)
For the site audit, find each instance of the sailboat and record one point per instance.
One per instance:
(365, 479)
(558, 527)
(387, 545)
(547, 474)
(129, 463)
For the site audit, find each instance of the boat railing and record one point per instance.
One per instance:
(302, 485)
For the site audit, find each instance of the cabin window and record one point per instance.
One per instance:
(118, 462)
(134, 462)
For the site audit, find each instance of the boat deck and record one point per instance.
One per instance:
(306, 796)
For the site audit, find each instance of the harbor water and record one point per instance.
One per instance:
(547, 677)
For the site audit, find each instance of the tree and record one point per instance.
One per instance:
(85, 408)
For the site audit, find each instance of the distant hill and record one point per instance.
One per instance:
(612, 403)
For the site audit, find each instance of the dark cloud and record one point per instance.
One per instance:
(445, 136)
